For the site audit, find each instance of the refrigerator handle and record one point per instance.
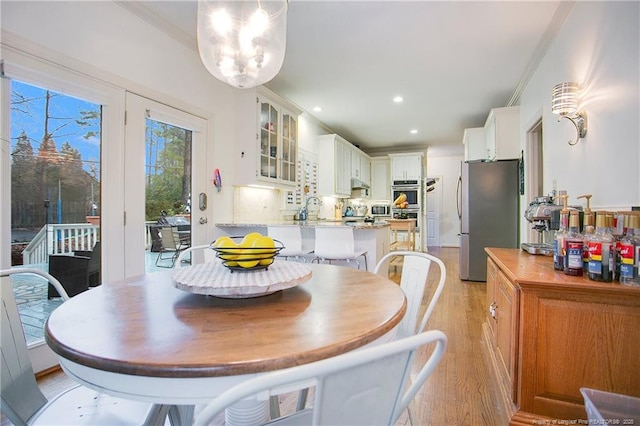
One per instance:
(458, 197)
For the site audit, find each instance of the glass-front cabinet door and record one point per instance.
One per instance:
(269, 135)
(278, 138)
(289, 147)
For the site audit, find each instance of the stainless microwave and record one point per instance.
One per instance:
(380, 210)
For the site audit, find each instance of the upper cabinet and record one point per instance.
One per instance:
(360, 165)
(380, 179)
(406, 166)
(475, 144)
(267, 130)
(334, 166)
(502, 130)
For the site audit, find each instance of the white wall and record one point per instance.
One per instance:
(597, 47)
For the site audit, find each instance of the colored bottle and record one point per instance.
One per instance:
(573, 242)
(630, 252)
(601, 254)
(618, 229)
(588, 228)
(587, 232)
(558, 241)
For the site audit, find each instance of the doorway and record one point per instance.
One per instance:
(433, 196)
(534, 171)
(164, 166)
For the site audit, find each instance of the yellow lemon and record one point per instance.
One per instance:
(264, 245)
(248, 239)
(223, 243)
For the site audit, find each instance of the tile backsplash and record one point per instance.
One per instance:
(251, 203)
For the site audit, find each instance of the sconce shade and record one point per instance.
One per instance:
(242, 43)
(564, 102)
(564, 99)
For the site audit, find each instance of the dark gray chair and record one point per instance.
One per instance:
(77, 272)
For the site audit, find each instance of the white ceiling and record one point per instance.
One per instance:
(452, 61)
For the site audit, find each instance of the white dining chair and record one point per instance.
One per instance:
(364, 387)
(291, 239)
(337, 243)
(416, 267)
(22, 401)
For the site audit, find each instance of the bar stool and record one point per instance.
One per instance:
(337, 243)
(291, 239)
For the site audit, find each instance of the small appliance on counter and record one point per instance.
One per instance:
(540, 214)
(380, 210)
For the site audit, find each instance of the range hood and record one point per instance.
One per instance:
(358, 184)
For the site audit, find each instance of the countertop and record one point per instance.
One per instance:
(533, 270)
(355, 223)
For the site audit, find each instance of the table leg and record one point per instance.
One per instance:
(181, 415)
(245, 413)
(157, 415)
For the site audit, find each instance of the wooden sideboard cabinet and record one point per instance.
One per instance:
(549, 334)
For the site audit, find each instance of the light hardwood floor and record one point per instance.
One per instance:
(460, 391)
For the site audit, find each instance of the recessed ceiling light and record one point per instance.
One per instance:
(398, 99)
(413, 131)
(317, 109)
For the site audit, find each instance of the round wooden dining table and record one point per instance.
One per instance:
(142, 338)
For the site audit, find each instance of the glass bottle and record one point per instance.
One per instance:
(587, 232)
(573, 242)
(630, 252)
(601, 251)
(558, 240)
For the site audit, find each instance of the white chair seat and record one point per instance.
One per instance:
(337, 243)
(291, 239)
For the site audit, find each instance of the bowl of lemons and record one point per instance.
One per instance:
(251, 252)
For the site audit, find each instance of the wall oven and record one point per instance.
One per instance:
(412, 192)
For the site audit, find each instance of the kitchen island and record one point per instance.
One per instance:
(549, 334)
(370, 236)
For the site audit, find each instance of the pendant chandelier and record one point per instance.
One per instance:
(242, 42)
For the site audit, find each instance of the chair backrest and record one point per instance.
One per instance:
(413, 281)
(21, 397)
(198, 254)
(289, 236)
(93, 269)
(168, 238)
(334, 242)
(364, 387)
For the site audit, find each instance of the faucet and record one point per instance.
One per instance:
(304, 210)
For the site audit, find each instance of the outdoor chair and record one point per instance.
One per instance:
(171, 247)
(370, 386)
(76, 272)
(22, 401)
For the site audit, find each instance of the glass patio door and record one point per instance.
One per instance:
(165, 153)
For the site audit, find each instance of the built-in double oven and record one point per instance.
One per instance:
(412, 189)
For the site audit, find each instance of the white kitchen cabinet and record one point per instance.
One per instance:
(475, 144)
(334, 163)
(502, 132)
(406, 166)
(380, 179)
(267, 131)
(360, 165)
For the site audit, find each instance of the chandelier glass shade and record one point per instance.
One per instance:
(242, 43)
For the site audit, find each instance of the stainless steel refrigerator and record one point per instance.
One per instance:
(488, 207)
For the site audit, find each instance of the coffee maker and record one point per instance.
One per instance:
(543, 214)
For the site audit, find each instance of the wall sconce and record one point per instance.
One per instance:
(564, 102)
(242, 43)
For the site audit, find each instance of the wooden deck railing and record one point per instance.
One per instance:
(60, 239)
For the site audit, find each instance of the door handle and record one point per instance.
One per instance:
(203, 220)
